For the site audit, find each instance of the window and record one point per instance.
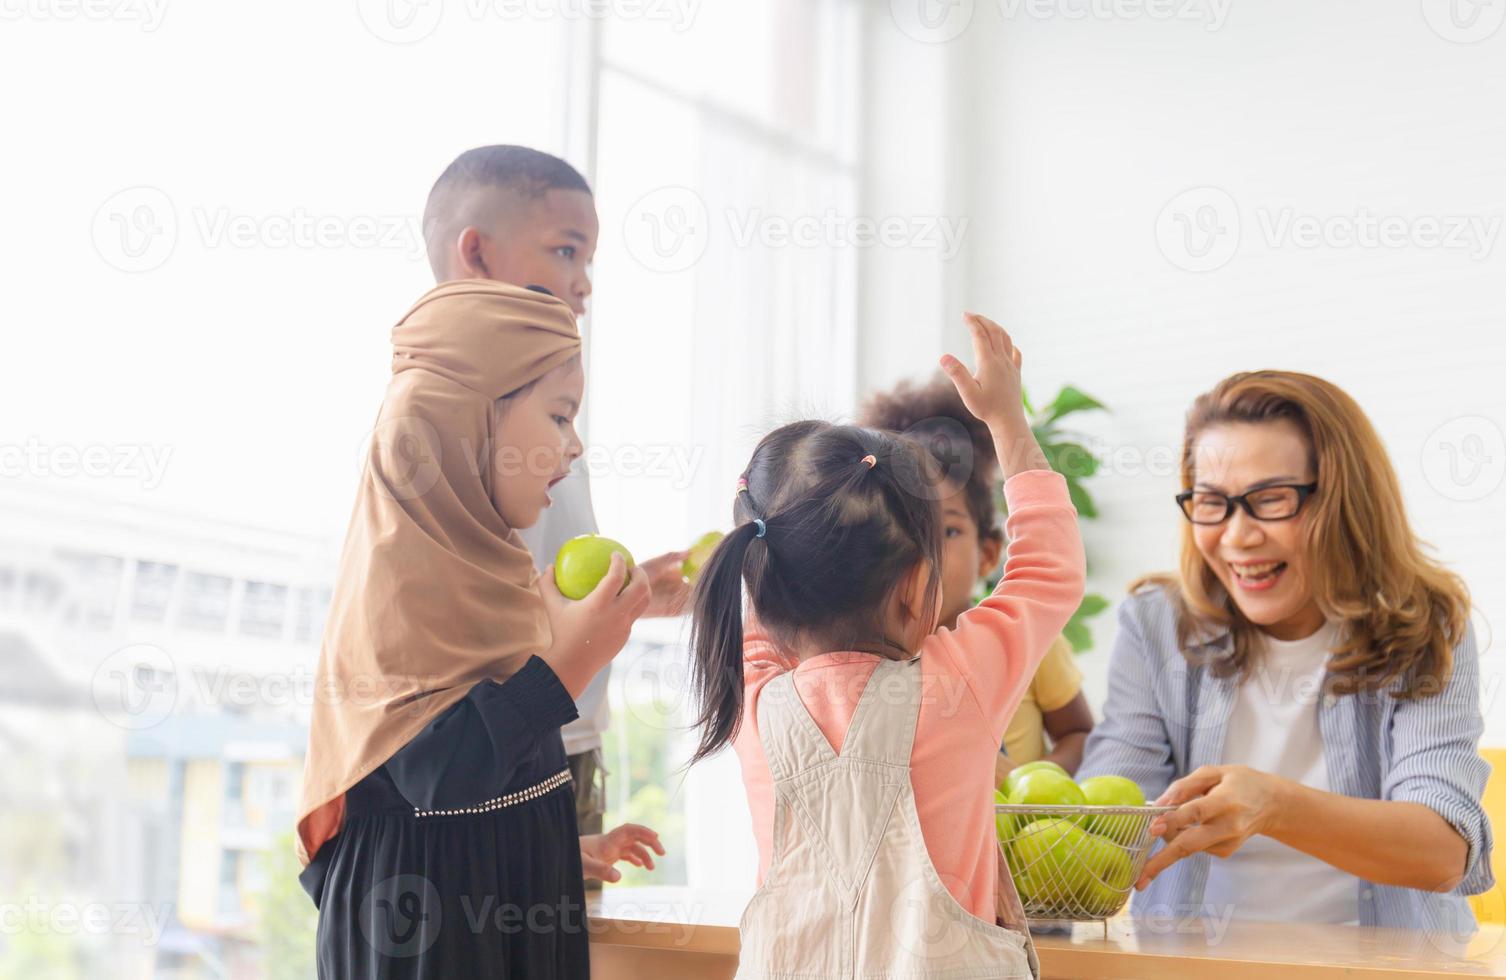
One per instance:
(154, 591)
(718, 313)
(42, 591)
(264, 609)
(308, 614)
(235, 794)
(230, 897)
(206, 601)
(94, 588)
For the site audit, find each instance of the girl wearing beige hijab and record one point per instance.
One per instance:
(437, 820)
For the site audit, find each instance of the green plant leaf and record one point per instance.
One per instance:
(1092, 605)
(1071, 459)
(1070, 400)
(1078, 634)
(1076, 631)
(1081, 500)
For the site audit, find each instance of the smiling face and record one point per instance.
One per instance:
(535, 443)
(1264, 565)
(546, 241)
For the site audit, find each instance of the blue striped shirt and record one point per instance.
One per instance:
(1163, 719)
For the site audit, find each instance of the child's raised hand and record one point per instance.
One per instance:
(994, 393)
(589, 632)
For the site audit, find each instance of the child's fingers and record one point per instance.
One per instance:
(983, 344)
(999, 337)
(641, 834)
(597, 868)
(1019, 359)
(611, 583)
(962, 378)
(637, 594)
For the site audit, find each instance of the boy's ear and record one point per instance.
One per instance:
(470, 250)
(990, 550)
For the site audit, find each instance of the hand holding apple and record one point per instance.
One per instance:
(589, 632)
(670, 589)
(582, 562)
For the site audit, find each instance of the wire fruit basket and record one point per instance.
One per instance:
(1075, 863)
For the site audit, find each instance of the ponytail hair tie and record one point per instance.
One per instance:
(742, 485)
(871, 460)
(762, 528)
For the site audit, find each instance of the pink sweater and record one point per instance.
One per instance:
(973, 679)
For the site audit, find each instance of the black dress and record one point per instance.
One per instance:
(438, 872)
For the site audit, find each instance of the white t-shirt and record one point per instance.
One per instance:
(571, 515)
(1273, 727)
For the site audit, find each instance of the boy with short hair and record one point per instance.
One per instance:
(524, 217)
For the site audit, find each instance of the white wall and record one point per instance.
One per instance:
(1079, 140)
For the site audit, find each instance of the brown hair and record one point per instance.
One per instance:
(933, 415)
(1401, 611)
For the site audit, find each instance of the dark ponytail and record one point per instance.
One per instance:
(716, 636)
(829, 521)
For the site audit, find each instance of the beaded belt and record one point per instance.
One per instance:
(511, 799)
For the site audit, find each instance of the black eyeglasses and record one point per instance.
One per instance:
(1274, 503)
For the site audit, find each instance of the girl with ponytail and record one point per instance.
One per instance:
(866, 735)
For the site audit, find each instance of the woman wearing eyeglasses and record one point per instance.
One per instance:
(1305, 690)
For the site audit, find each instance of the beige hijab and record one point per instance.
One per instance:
(435, 592)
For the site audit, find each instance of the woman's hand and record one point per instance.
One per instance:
(589, 632)
(994, 394)
(630, 842)
(1218, 809)
(667, 580)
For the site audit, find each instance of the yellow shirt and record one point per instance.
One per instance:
(1056, 683)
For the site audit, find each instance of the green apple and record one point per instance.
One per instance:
(1067, 872)
(1113, 791)
(1003, 821)
(1046, 787)
(1021, 771)
(1101, 878)
(1040, 861)
(699, 552)
(583, 562)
